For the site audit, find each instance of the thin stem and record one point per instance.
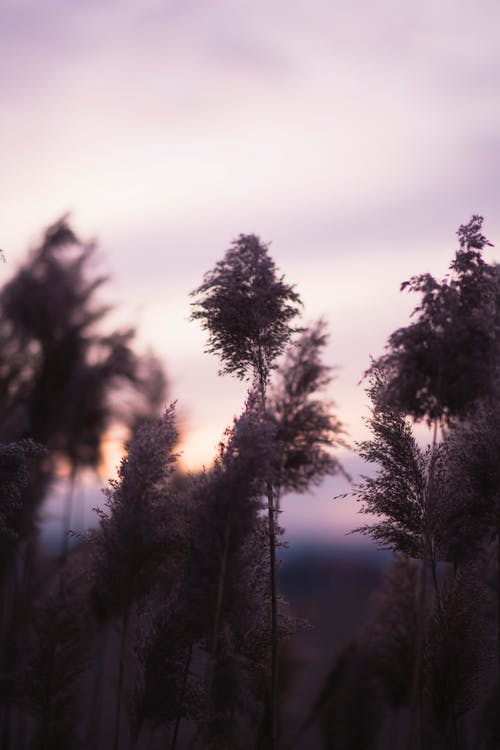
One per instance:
(274, 618)
(435, 582)
(416, 692)
(274, 597)
(417, 666)
(218, 607)
(220, 589)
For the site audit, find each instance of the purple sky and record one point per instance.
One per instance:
(356, 136)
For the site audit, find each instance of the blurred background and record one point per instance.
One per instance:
(355, 137)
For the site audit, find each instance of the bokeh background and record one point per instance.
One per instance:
(354, 136)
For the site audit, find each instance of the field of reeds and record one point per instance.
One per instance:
(181, 619)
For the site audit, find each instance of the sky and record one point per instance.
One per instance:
(355, 137)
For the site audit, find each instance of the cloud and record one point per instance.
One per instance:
(355, 135)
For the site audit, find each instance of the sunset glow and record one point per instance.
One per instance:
(354, 138)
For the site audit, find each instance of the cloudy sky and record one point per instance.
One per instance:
(354, 136)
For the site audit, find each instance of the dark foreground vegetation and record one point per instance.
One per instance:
(171, 624)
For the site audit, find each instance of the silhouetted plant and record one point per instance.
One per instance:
(167, 690)
(473, 450)
(247, 311)
(473, 510)
(390, 633)
(406, 490)
(57, 656)
(306, 428)
(251, 633)
(131, 532)
(59, 376)
(57, 371)
(457, 653)
(136, 528)
(406, 493)
(226, 504)
(438, 366)
(16, 460)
